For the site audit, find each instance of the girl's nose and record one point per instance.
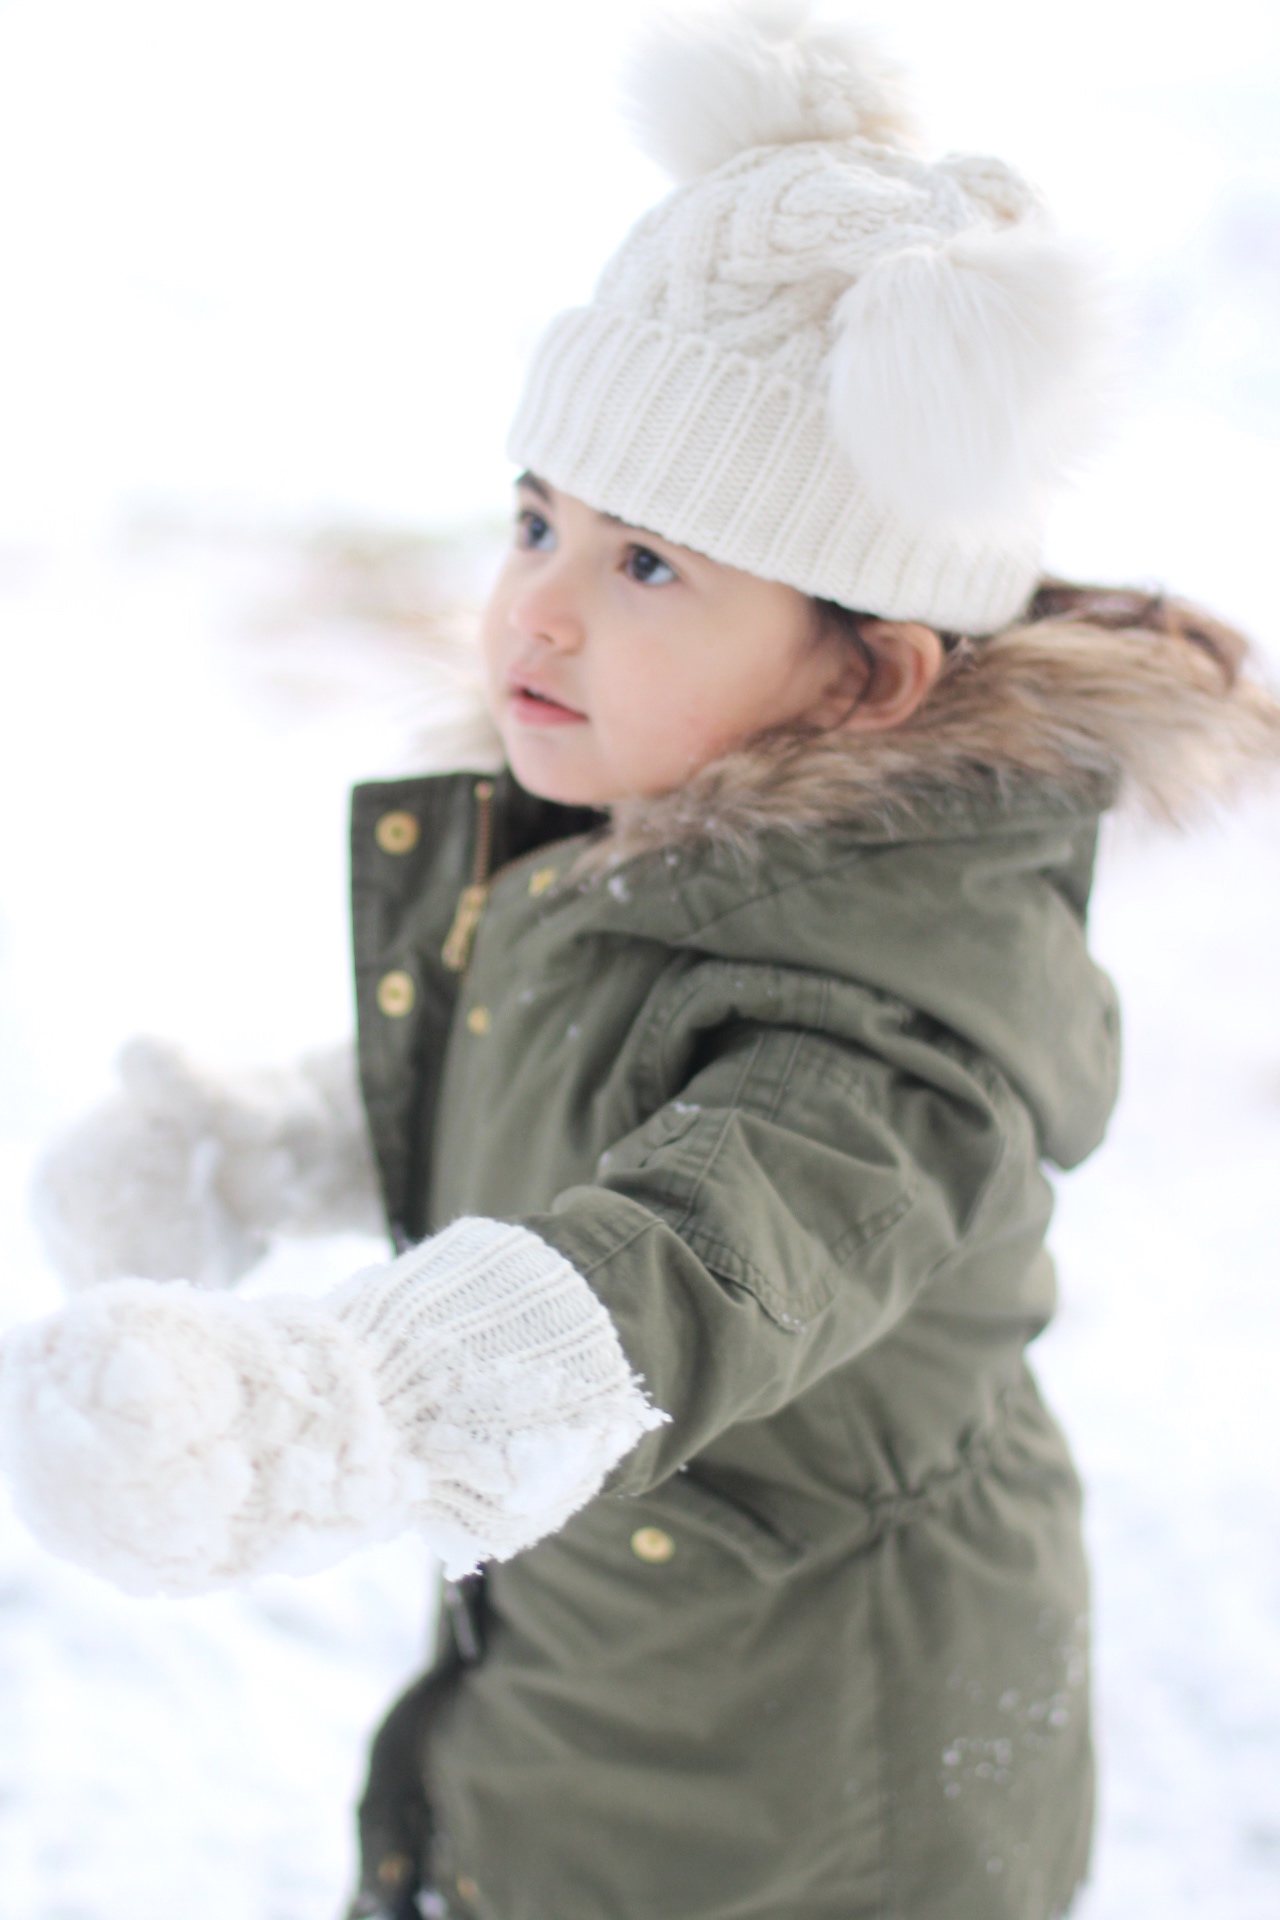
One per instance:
(547, 609)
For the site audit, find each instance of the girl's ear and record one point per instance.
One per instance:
(906, 660)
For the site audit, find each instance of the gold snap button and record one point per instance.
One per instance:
(478, 1020)
(397, 833)
(396, 994)
(653, 1545)
(539, 882)
(394, 1870)
(467, 1888)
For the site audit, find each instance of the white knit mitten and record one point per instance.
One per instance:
(175, 1440)
(179, 1175)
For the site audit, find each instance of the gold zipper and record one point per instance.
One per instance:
(472, 901)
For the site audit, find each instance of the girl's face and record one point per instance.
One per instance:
(618, 663)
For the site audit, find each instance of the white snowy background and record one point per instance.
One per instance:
(270, 269)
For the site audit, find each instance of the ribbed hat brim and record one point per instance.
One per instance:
(716, 452)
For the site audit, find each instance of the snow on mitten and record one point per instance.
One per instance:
(171, 1439)
(176, 1440)
(180, 1176)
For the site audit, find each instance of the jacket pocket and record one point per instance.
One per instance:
(691, 1509)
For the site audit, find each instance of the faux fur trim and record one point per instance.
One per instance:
(1081, 716)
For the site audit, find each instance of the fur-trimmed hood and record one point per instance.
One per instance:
(945, 865)
(1081, 715)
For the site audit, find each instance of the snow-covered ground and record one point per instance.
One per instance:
(171, 863)
(1163, 1365)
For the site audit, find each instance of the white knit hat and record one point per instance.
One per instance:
(822, 359)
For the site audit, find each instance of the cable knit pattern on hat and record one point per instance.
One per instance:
(728, 387)
(177, 1440)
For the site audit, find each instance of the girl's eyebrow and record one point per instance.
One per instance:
(531, 483)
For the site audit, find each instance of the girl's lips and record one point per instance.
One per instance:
(538, 710)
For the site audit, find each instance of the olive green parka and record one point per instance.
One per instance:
(775, 1065)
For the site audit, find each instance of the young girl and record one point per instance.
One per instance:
(709, 1054)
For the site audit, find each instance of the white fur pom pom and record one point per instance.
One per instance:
(965, 378)
(704, 86)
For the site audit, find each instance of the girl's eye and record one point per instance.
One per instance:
(648, 567)
(533, 532)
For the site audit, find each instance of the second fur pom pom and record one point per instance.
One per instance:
(967, 377)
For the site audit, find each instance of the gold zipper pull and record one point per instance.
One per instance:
(456, 950)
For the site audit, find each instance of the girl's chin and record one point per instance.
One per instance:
(544, 769)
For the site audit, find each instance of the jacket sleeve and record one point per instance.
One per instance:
(784, 1211)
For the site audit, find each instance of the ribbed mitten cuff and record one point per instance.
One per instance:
(502, 1375)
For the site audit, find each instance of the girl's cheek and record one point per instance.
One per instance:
(493, 652)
